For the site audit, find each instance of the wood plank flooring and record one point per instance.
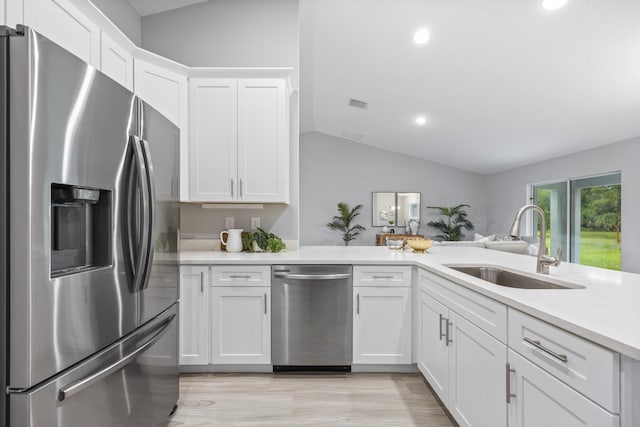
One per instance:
(307, 400)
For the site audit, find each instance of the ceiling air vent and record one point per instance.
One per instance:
(358, 104)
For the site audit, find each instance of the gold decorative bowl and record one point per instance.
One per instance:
(420, 246)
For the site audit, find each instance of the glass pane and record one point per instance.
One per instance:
(596, 230)
(552, 199)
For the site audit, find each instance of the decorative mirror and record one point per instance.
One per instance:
(394, 209)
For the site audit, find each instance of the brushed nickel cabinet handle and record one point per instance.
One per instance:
(383, 277)
(358, 304)
(536, 344)
(239, 277)
(447, 340)
(508, 385)
(265, 303)
(241, 188)
(201, 282)
(232, 187)
(441, 319)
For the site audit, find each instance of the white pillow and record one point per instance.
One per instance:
(480, 238)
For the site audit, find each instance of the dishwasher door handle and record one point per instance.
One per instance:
(312, 276)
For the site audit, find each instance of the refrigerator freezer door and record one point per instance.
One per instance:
(132, 383)
(161, 140)
(70, 125)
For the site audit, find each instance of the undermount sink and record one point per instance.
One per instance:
(510, 278)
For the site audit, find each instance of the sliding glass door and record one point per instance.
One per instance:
(583, 218)
(596, 230)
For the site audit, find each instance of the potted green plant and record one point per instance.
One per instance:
(260, 241)
(342, 222)
(455, 219)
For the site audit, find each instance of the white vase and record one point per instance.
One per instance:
(234, 239)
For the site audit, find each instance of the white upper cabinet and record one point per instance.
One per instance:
(116, 62)
(263, 140)
(167, 91)
(163, 89)
(239, 140)
(213, 118)
(66, 25)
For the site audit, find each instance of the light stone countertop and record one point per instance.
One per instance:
(607, 311)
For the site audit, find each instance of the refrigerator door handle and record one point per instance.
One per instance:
(140, 270)
(77, 386)
(151, 206)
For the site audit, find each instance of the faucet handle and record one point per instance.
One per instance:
(558, 256)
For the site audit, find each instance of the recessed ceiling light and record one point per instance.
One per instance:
(421, 120)
(421, 36)
(553, 4)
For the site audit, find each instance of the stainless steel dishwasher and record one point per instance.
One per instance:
(311, 317)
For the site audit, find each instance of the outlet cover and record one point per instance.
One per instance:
(229, 222)
(255, 222)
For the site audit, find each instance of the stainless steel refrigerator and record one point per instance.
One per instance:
(88, 264)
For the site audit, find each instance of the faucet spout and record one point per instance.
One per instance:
(544, 261)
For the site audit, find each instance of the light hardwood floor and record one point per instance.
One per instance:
(307, 400)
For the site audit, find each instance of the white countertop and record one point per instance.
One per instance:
(607, 311)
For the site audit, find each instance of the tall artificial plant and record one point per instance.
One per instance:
(455, 219)
(342, 222)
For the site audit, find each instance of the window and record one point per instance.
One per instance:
(583, 218)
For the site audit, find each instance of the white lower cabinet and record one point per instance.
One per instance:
(463, 364)
(539, 399)
(240, 325)
(194, 315)
(433, 351)
(382, 325)
(476, 375)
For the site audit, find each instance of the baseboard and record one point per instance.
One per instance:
(191, 369)
(411, 368)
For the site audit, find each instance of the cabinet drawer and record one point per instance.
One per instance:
(241, 275)
(538, 399)
(383, 275)
(485, 313)
(592, 370)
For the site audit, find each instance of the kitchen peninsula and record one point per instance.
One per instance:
(587, 338)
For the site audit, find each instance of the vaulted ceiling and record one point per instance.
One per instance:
(501, 83)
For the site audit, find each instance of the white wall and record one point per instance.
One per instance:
(123, 16)
(507, 191)
(335, 170)
(226, 33)
(235, 33)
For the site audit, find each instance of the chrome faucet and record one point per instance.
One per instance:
(544, 260)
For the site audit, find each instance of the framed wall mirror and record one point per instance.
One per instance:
(394, 209)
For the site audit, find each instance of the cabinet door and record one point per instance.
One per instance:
(213, 121)
(194, 315)
(382, 325)
(116, 62)
(263, 140)
(542, 400)
(167, 92)
(433, 352)
(477, 373)
(241, 325)
(62, 22)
